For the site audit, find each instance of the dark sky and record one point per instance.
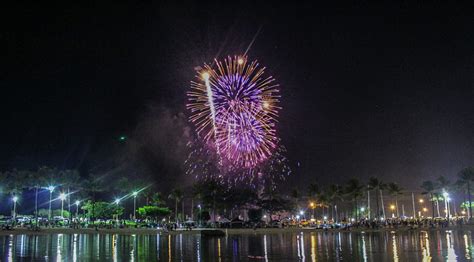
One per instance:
(368, 90)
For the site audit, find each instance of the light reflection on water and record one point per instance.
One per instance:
(394, 246)
(285, 246)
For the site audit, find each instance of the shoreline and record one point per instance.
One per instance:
(229, 231)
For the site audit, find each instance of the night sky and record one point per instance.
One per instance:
(368, 90)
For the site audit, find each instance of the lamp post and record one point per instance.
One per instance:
(135, 193)
(312, 207)
(62, 196)
(392, 207)
(51, 189)
(77, 207)
(14, 199)
(117, 202)
(448, 199)
(199, 206)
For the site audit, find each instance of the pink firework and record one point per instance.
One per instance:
(235, 106)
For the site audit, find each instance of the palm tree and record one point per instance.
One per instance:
(13, 182)
(69, 179)
(35, 180)
(323, 200)
(93, 186)
(376, 185)
(176, 194)
(198, 194)
(313, 190)
(334, 193)
(395, 190)
(429, 189)
(270, 200)
(443, 186)
(466, 176)
(443, 183)
(295, 194)
(355, 190)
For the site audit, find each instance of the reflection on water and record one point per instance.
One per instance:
(364, 251)
(394, 246)
(425, 246)
(322, 246)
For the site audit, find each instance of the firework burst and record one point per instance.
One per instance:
(235, 106)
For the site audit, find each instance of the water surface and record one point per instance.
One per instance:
(285, 246)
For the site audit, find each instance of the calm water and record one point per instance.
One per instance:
(301, 246)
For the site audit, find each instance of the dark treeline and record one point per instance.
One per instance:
(210, 199)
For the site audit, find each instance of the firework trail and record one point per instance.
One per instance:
(236, 108)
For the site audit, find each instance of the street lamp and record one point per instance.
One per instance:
(199, 206)
(392, 207)
(448, 199)
(312, 205)
(62, 196)
(14, 199)
(117, 202)
(77, 207)
(135, 193)
(421, 200)
(301, 213)
(51, 189)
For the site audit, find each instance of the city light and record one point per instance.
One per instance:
(301, 212)
(77, 202)
(421, 200)
(135, 193)
(62, 196)
(392, 207)
(325, 217)
(51, 188)
(362, 209)
(117, 201)
(15, 199)
(425, 209)
(312, 204)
